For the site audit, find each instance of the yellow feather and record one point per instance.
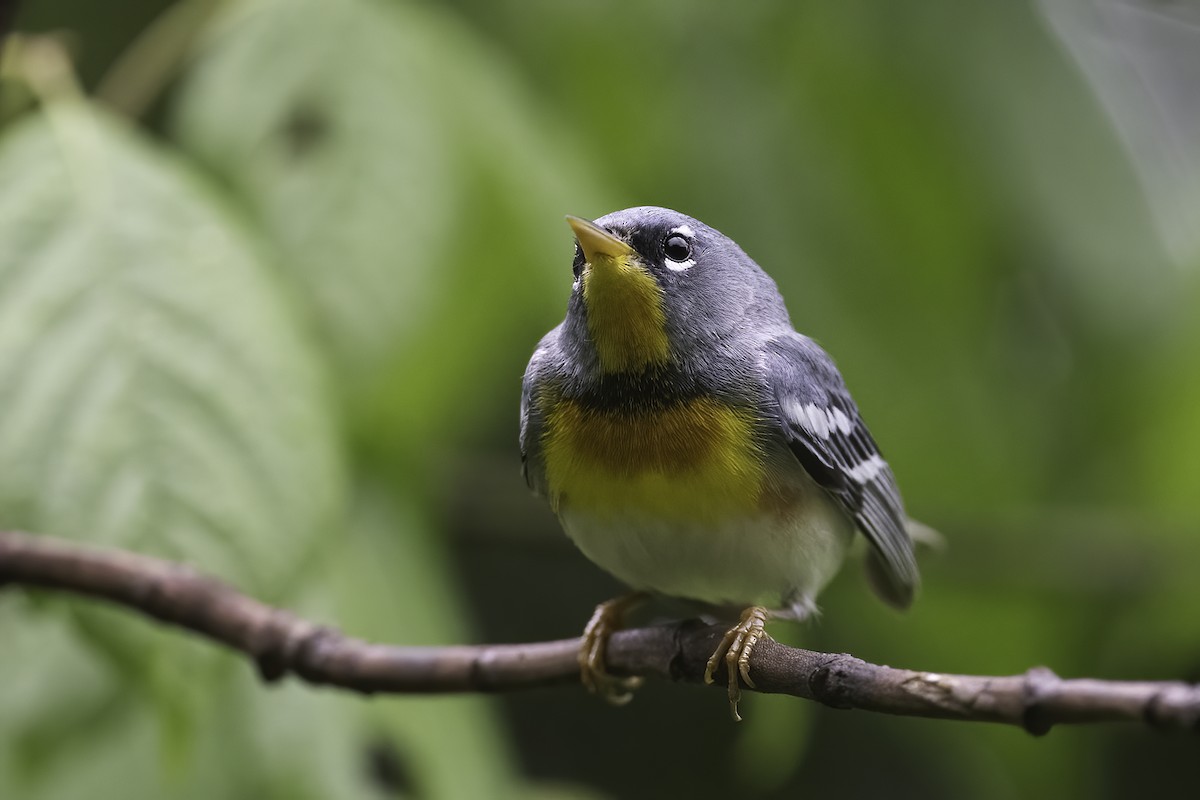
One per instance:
(694, 461)
(625, 314)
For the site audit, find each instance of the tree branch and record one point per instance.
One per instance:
(282, 643)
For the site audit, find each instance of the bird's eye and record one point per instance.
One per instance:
(677, 248)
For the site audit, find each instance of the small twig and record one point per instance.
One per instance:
(282, 643)
(148, 66)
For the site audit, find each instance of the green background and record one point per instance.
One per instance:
(270, 273)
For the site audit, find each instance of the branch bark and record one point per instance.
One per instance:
(280, 643)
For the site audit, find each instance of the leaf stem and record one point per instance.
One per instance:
(140, 73)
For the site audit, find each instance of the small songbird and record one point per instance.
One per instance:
(694, 445)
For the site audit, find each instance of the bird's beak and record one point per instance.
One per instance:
(597, 243)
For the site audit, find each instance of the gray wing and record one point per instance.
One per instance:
(827, 435)
(538, 371)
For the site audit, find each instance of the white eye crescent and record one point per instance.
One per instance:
(678, 250)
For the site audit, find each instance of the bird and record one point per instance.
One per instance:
(694, 445)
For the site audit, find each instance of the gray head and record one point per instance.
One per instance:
(653, 285)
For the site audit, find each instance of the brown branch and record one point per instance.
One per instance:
(283, 643)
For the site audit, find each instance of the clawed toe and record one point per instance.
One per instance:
(734, 650)
(608, 617)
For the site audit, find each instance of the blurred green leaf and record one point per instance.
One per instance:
(156, 394)
(414, 194)
(71, 729)
(343, 162)
(53, 694)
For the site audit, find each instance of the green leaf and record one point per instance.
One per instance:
(414, 198)
(156, 394)
(338, 151)
(53, 694)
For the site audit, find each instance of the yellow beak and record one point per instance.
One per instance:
(597, 242)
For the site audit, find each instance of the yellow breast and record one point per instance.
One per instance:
(696, 460)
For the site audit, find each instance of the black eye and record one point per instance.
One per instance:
(677, 248)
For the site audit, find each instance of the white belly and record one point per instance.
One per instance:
(777, 559)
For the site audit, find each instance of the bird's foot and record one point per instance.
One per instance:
(734, 650)
(607, 619)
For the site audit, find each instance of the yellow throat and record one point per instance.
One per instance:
(694, 460)
(624, 302)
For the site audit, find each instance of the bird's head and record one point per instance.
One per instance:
(653, 285)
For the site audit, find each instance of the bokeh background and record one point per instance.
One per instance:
(270, 273)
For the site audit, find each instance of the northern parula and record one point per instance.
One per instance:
(693, 444)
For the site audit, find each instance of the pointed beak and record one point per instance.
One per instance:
(596, 242)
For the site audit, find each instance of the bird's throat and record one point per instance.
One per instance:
(625, 315)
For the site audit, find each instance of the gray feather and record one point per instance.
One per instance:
(829, 438)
